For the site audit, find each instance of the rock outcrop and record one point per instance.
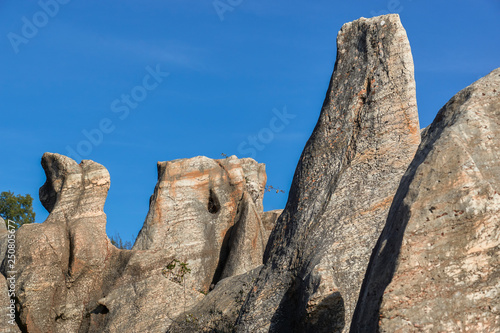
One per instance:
(365, 138)
(70, 278)
(208, 212)
(436, 266)
(62, 264)
(376, 235)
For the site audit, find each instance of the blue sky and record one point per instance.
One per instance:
(232, 66)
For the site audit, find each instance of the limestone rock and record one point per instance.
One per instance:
(436, 266)
(61, 263)
(255, 181)
(365, 138)
(247, 240)
(269, 219)
(144, 298)
(199, 211)
(218, 311)
(70, 278)
(68, 270)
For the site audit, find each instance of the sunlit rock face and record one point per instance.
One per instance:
(204, 213)
(436, 266)
(210, 212)
(381, 232)
(365, 138)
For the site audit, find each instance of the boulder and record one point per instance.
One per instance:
(365, 138)
(436, 266)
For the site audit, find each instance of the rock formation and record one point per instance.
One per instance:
(360, 244)
(72, 279)
(436, 265)
(208, 211)
(365, 138)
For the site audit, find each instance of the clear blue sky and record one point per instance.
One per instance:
(229, 68)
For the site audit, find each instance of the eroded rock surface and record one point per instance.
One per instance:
(208, 212)
(218, 311)
(204, 213)
(436, 267)
(62, 263)
(365, 138)
(269, 219)
(7, 325)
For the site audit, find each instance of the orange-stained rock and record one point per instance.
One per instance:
(208, 213)
(70, 278)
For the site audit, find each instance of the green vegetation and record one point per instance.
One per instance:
(17, 208)
(176, 275)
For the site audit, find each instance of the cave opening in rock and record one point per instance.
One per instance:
(213, 203)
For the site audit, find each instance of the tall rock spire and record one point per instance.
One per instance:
(365, 138)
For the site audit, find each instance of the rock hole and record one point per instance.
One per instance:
(60, 317)
(213, 203)
(100, 309)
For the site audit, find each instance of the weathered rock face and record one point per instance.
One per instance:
(366, 136)
(269, 219)
(143, 298)
(61, 264)
(436, 266)
(3, 241)
(218, 311)
(206, 213)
